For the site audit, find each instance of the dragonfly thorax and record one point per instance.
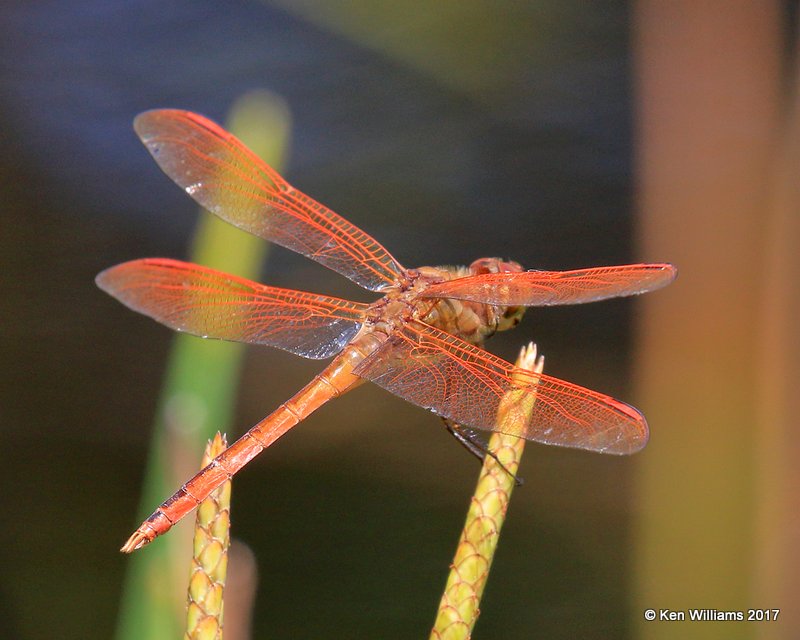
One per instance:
(471, 321)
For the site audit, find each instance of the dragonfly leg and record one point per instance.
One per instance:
(475, 444)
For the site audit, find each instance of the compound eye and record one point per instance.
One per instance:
(484, 265)
(509, 267)
(494, 265)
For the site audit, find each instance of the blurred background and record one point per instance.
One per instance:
(560, 134)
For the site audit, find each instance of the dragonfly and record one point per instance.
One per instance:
(421, 340)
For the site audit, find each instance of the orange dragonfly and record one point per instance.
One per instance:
(421, 340)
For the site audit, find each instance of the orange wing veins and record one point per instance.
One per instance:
(209, 303)
(229, 180)
(462, 382)
(545, 288)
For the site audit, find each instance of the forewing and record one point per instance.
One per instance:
(229, 180)
(546, 288)
(464, 383)
(209, 303)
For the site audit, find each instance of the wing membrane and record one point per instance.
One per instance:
(229, 180)
(546, 288)
(209, 303)
(464, 383)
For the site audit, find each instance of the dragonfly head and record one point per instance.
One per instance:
(494, 265)
(509, 317)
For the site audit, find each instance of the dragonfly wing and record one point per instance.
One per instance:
(229, 180)
(464, 383)
(546, 288)
(209, 303)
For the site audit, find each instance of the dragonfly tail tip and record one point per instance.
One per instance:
(136, 541)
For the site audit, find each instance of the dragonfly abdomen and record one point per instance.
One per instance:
(335, 379)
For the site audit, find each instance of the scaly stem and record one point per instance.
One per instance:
(212, 537)
(459, 606)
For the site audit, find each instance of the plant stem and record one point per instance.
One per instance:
(460, 604)
(212, 538)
